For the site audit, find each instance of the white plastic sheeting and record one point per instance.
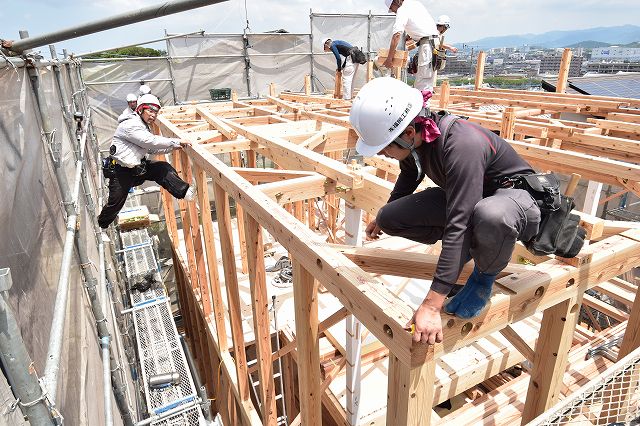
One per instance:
(32, 228)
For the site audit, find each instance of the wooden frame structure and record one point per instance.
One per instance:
(306, 136)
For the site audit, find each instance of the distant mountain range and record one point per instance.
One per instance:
(592, 37)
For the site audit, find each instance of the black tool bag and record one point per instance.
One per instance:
(357, 56)
(109, 167)
(560, 232)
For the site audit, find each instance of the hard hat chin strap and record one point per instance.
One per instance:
(414, 154)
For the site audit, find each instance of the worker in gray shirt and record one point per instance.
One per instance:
(469, 210)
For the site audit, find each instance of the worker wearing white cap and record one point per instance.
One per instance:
(127, 166)
(132, 101)
(414, 19)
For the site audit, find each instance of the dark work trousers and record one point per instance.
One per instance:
(161, 172)
(497, 223)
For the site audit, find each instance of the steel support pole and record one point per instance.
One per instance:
(17, 363)
(173, 80)
(146, 13)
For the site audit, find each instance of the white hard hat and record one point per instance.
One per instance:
(144, 89)
(444, 20)
(383, 108)
(148, 100)
(131, 97)
(325, 40)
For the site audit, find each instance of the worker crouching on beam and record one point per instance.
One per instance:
(478, 210)
(127, 166)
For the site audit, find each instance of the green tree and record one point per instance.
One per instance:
(135, 51)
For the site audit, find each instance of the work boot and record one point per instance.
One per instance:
(473, 297)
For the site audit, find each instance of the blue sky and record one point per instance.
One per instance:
(472, 19)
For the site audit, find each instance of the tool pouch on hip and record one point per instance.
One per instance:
(560, 232)
(108, 167)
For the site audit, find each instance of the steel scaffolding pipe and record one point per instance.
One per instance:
(16, 362)
(151, 12)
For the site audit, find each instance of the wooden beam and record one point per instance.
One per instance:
(299, 189)
(217, 123)
(410, 393)
(508, 123)
(518, 342)
(255, 175)
(236, 162)
(261, 321)
(444, 94)
(305, 293)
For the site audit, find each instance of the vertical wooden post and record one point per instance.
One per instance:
(563, 75)
(397, 72)
(445, 92)
(261, 323)
(170, 216)
(482, 57)
(298, 210)
(186, 225)
(235, 162)
(592, 198)
(370, 70)
(272, 89)
(410, 393)
(337, 88)
(353, 236)
(508, 127)
(212, 258)
(201, 279)
(234, 96)
(305, 294)
(231, 284)
(550, 360)
(311, 213)
(307, 84)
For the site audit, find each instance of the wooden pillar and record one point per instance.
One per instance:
(231, 284)
(311, 213)
(212, 258)
(201, 283)
(234, 96)
(272, 89)
(592, 198)
(410, 393)
(170, 216)
(298, 210)
(482, 57)
(305, 294)
(353, 236)
(508, 127)
(563, 75)
(307, 84)
(445, 92)
(261, 322)
(186, 224)
(550, 357)
(337, 89)
(369, 70)
(236, 162)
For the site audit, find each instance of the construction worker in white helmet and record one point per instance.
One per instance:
(443, 24)
(127, 166)
(414, 19)
(144, 90)
(132, 102)
(473, 216)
